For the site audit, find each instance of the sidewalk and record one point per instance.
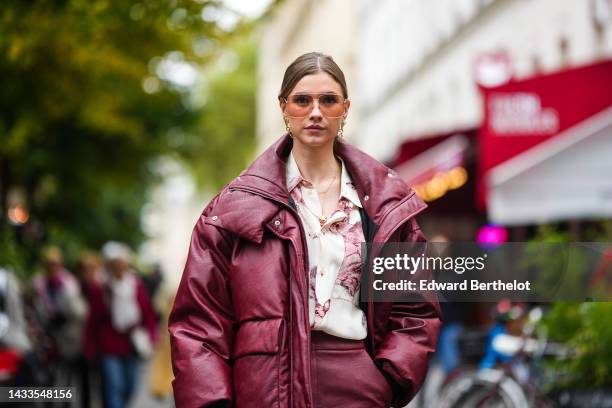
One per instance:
(143, 397)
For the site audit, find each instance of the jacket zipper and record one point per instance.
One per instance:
(306, 269)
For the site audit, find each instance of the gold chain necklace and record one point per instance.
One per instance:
(323, 218)
(329, 186)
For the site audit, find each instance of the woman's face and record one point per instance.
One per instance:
(315, 127)
(118, 267)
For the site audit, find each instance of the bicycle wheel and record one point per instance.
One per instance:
(488, 389)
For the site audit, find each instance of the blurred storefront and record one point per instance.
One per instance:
(542, 155)
(442, 170)
(545, 147)
(421, 77)
(436, 78)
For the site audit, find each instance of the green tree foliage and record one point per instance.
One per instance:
(226, 127)
(85, 108)
(585, 327)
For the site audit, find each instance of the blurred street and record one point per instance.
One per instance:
(144, 398)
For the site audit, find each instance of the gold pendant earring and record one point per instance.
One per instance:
(288, 128)
(341, 131)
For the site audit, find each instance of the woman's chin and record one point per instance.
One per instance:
(311, 139)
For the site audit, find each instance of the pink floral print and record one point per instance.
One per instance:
(334, 252)
(349, 275)
(320, 312)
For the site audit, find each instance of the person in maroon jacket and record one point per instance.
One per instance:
(119, 307)
(268, 312)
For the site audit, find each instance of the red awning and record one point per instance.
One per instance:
(439, 160)
(528, 127)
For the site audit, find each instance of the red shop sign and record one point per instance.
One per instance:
(520, 115)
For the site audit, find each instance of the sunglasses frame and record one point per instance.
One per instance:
(286, 99)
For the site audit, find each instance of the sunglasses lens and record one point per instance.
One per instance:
(330, 105)
(299, 105)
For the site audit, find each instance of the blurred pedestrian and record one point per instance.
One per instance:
(90, 276)
(153, 280)
(61, 309)
(13, 331)
(15, 344)
(120, 325)
(90, 272)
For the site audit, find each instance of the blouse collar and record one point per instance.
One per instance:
(347, 188)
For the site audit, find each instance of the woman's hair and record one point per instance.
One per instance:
(308, 64)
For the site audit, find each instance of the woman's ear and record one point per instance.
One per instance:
(347, 105)
(282, 105)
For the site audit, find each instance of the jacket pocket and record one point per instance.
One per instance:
(258, 337)
(257, 364)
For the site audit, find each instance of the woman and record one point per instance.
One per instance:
(267, 313)
(61, 308)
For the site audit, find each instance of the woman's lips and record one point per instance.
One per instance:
(314, 127)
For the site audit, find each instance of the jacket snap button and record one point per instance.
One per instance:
(215, 218)
(366, 198)
(277, 222)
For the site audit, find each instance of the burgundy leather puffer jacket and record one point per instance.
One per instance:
(240, 328)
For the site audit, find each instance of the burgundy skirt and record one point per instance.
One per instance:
(344, 374)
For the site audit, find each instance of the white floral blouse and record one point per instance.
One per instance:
(334, 255)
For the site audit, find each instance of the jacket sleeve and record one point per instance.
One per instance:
(413, 329)
(201, 323)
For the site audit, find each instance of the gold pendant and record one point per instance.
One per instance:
(323, 220)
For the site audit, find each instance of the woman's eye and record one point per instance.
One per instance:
(328, 99)
(301, 100)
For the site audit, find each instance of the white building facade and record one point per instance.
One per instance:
(416, 59)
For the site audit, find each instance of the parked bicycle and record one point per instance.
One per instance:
(514, 383)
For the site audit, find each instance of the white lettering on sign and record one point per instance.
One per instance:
(521, 113)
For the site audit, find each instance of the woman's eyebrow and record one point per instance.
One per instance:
(315, 93)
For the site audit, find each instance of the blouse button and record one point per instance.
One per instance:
(366, 198)
(277, 222)
(215, 218)
(390, 174)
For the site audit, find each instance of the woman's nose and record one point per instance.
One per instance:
(315, 111)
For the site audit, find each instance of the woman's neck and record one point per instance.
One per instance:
(316, 165)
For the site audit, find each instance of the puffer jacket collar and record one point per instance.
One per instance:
(253, 199)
